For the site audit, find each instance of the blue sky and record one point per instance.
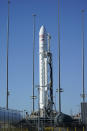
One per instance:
(21, 45)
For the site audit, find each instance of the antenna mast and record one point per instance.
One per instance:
(7, 92)
(59, 96)
(33, 97)
(83, 95)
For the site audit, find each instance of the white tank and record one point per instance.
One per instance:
(10, 116)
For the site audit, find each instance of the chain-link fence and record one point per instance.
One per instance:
(66, 129)
(13, 120)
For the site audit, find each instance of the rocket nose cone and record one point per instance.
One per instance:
(42, 30)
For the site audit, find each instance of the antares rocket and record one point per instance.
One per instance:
(45, 76)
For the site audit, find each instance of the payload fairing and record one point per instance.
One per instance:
(45, 69)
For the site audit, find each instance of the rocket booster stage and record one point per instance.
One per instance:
(44, 59)
(42, 50)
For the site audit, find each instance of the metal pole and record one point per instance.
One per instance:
(38, 110)
(83, 95)
(33, 60)
(7, 92)
(59, 95)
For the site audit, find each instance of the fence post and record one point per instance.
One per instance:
(67, 129)
(52, 128)
(83, 128)
(75, 128)
(59, 128)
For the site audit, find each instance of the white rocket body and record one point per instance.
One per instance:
(45, 76)
(43, 67)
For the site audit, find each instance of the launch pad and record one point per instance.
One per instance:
(52, 123)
